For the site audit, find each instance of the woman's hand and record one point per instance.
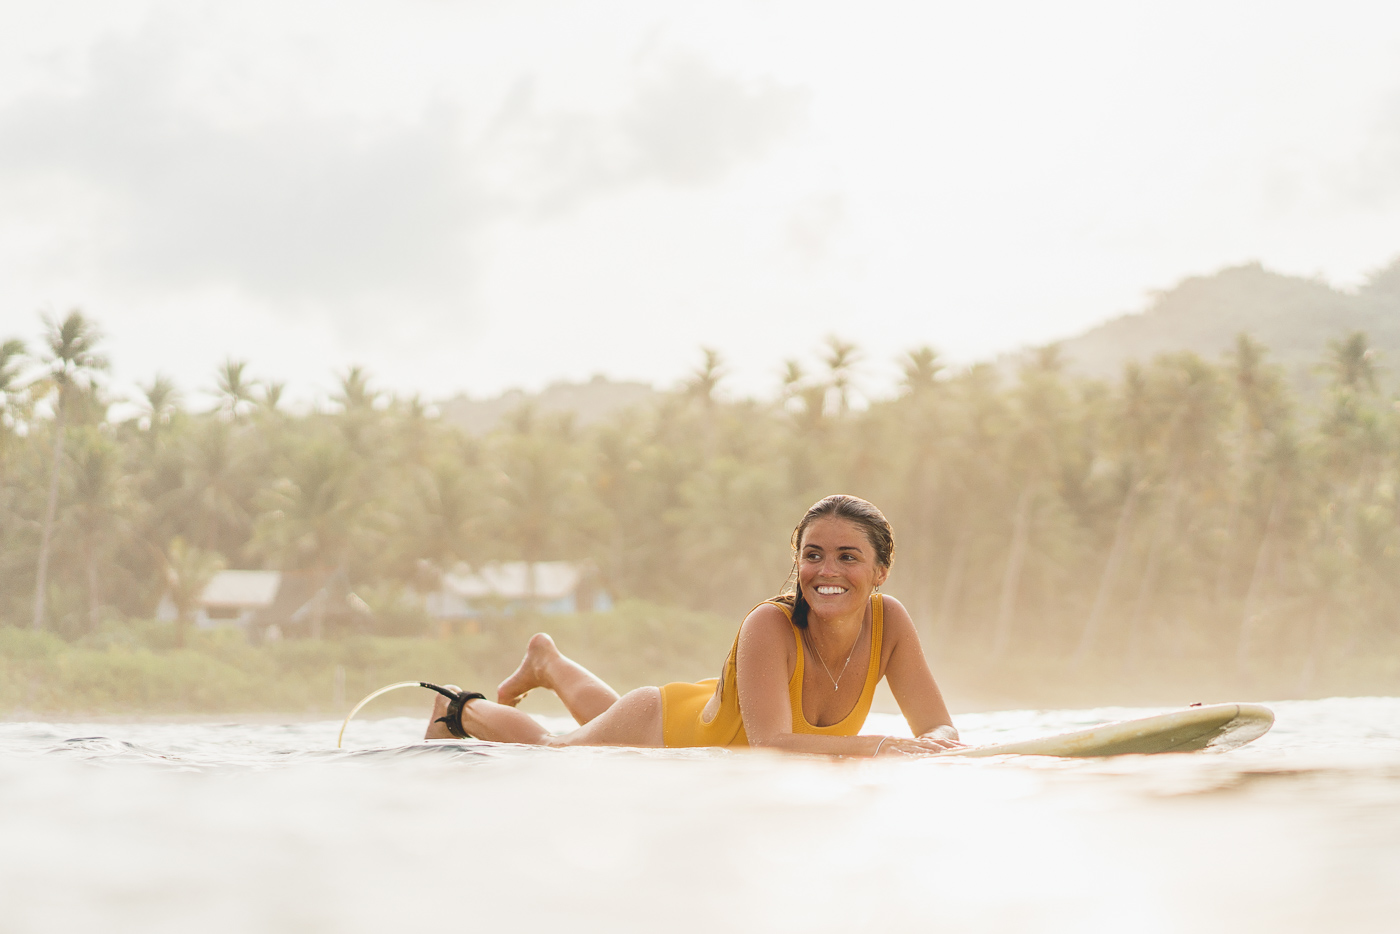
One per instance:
(927, 745)
(945, 736)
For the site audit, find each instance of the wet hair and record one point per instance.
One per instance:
(872, 522)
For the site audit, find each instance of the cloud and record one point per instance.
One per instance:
(686, 125)
(691, 125)
(301, 207)
(326, 209)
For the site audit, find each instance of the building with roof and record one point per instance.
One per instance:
(263, 603)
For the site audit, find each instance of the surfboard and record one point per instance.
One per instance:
(1218, 727)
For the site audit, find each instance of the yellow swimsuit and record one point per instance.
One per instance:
(683, 704)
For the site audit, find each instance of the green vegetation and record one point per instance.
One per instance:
(136, 667)
(1191, 525)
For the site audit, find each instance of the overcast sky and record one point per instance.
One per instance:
(473, 196)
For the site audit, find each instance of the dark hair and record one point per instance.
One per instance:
(872, 522)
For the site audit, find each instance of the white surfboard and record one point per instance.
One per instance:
(1217, 727)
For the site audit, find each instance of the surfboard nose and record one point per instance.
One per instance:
(1218, 727)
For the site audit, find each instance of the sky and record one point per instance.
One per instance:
(477, 196)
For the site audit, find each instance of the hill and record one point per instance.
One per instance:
(590, 402)
(1294, 317)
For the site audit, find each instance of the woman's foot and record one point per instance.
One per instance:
(438, 730)
(532, 673)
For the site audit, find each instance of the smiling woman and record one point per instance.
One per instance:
(784, 684)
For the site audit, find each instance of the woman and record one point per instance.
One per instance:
(800, 677)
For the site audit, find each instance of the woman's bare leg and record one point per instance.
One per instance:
(544, 666)
(634, 720)
(500, 724)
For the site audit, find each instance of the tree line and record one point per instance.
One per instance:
(1190, 507)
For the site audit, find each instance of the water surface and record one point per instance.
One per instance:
(266, 827)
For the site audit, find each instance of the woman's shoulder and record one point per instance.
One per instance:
(769, 614)
(892, 605)
(767, 622)
(766, 630)
(897, 618)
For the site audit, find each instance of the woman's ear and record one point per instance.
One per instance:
(882, 574)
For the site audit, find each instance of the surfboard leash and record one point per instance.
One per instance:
(452, 720)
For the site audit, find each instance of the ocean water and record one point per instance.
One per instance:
(259, 827)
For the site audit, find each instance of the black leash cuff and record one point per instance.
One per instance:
(457, 700)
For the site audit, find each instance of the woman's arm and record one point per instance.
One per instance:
(766, 660)
(912, 682)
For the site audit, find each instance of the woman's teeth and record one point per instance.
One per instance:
(831, 591)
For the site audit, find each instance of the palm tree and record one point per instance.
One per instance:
(735, 550)
(315, 517)
(1352, 363)
(162, 400)
(96, 510)
(1015, 563)
(973, 450)
(414, 431)
(793, 376)
(272, 395)
(1284, 461)
(1354, 448)
(1195, 409)
(913, 432)
(218, 486)
(1035, 456)
(448, 510)
(235, 389)
(70, 361)
(11, 354)
(841, 358)
(357, 401)
(355, 393)
(1136, 424)
(921, 369)
(11, 358)
(1264, 419)
(542, 496)
(706, 378)
(188, 571)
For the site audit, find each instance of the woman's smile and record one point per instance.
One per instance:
(837, 566)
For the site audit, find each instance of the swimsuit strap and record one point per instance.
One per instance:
(872, 670)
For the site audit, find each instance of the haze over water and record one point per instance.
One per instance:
(156, 827)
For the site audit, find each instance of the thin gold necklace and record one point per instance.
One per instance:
(835, 681)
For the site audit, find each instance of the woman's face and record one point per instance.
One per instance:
(836, 567)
